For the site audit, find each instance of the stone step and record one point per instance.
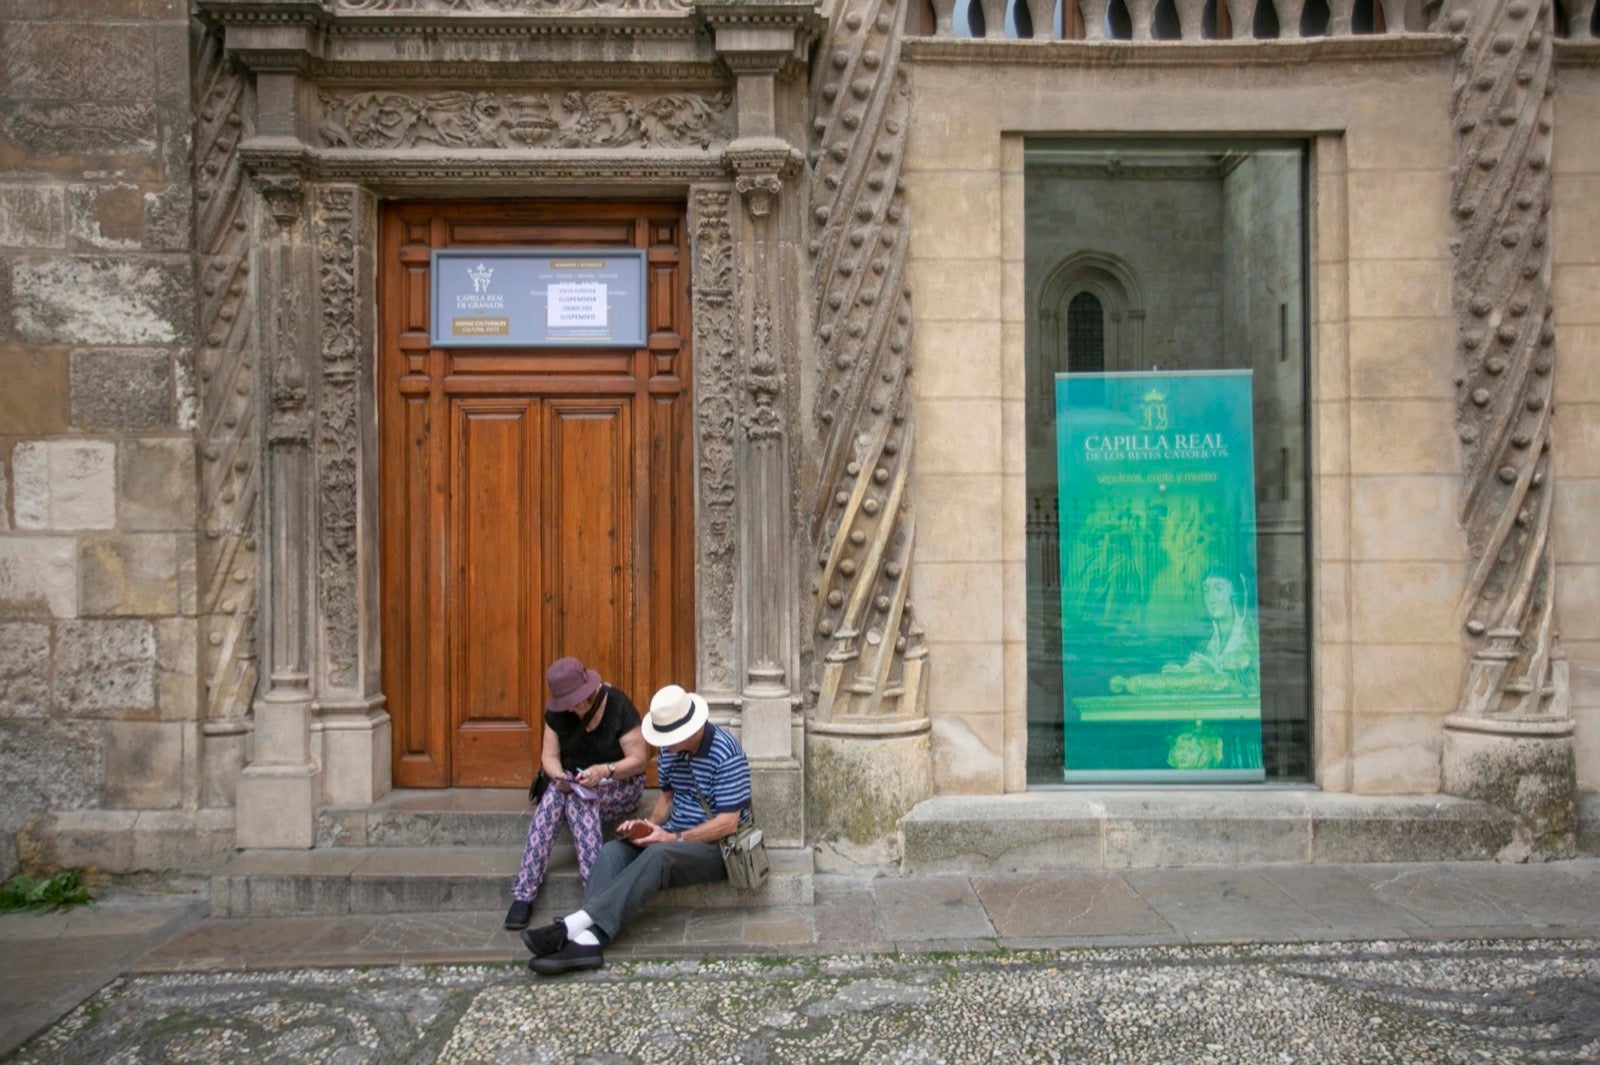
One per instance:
(466, 817)
(381, 880)
(1144, 829)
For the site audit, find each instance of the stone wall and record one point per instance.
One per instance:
(98, 691)
(1575, 229)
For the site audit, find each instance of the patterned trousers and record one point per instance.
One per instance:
(584, 818)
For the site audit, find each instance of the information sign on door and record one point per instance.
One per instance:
(537, 297)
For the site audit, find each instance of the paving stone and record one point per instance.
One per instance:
(1080, 904)
(1222, 902)
(1339, 899)
(931, 908)
(1437, 896)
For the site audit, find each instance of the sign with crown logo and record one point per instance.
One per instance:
(537, 298)
(1161, 669)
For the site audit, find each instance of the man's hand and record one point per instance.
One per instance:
(657, 834)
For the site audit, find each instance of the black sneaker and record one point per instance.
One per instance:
(546, 939)
(518, 916)
(572, 957)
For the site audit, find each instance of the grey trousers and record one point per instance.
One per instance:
(625, 877)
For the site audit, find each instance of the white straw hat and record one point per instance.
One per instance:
(674, 716)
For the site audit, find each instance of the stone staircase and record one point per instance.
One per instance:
(444, 851)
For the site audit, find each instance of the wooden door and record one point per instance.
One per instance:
(535, 502)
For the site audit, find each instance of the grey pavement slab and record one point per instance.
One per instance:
(1082, 905)
(1225, 904)
(1340, 900)
(933, 907)
(1441, 897)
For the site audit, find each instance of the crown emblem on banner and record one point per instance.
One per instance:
(480, 276)
(1155, 395)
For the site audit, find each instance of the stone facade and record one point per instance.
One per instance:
(100, 710)
(189, 592)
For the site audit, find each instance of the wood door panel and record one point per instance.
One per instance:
(493, 591)
(534, 502)
(588, 515)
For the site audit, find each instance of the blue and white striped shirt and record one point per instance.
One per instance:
(719, 766)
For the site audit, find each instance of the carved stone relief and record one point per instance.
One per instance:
(485, 119)
(230, 475)
(869, 645)
(716, 406)
(1501, 107)
(338, 433)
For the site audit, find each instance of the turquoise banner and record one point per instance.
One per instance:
(1161, 664)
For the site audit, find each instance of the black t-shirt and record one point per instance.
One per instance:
(581, 748)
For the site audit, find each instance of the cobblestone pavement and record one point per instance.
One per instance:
(1387, 1001)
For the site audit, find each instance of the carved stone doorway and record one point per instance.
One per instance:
(534, 502)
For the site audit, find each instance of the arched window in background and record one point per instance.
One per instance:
(1086, 334)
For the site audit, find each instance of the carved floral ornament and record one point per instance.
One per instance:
(481, 119)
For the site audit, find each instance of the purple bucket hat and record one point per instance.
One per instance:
(569, 683)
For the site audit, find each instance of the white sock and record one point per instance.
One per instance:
(578, 923)
(586, 938)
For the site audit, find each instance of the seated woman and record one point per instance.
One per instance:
(1228, 662)
(594, 755)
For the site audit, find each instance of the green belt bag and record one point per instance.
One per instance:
(744, 854)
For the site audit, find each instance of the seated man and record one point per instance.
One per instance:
(679, 841)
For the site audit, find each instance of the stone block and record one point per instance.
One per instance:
(1400, 214)
(1572, 289)
(1577, 440)
(86, 10)
(1403, 436)
(857, 791)
(957, 359)
(1578, 600)
(1332, 723)
(5, 499)
(959, 436)
(1405, 678)
(38, 577)
(1400, 288)
(959, 600)
(1397, 754)
(103, 300)
(177, 660)
(968, 752)
(956, 289)
(1331, 515)
(1406, 519)
(1330, 361)
(1575, 219)
(24, 669)
(71, 138)
(1434, 829)
(64, 484)
(144, 764)
(1205, 836)
(1331, 455)
(222, 761)
(182, 841)
(1576, 534)
(101, 840)
(938, 232)
(156, 484)
(80, 61)
(133, 574)
(779, 799)
(50, 764)
(106, 668)
(122, 389)
(34, 399)
(188, 576)
(32, 216)
(1405, 602)
(956, 517)
(970, 680)
(106, 217)
(166, 218)
(1402, 358)
(1332, 591)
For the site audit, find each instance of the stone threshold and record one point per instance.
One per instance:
(1149, 829)
(334, 881)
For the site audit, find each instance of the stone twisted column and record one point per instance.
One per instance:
(1510, 741)
(868, 754)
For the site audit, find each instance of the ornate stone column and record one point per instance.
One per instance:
(1510, 741)
(351, 720)
(867, 748)
(279, 790)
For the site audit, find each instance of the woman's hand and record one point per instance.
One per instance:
(591, 776)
